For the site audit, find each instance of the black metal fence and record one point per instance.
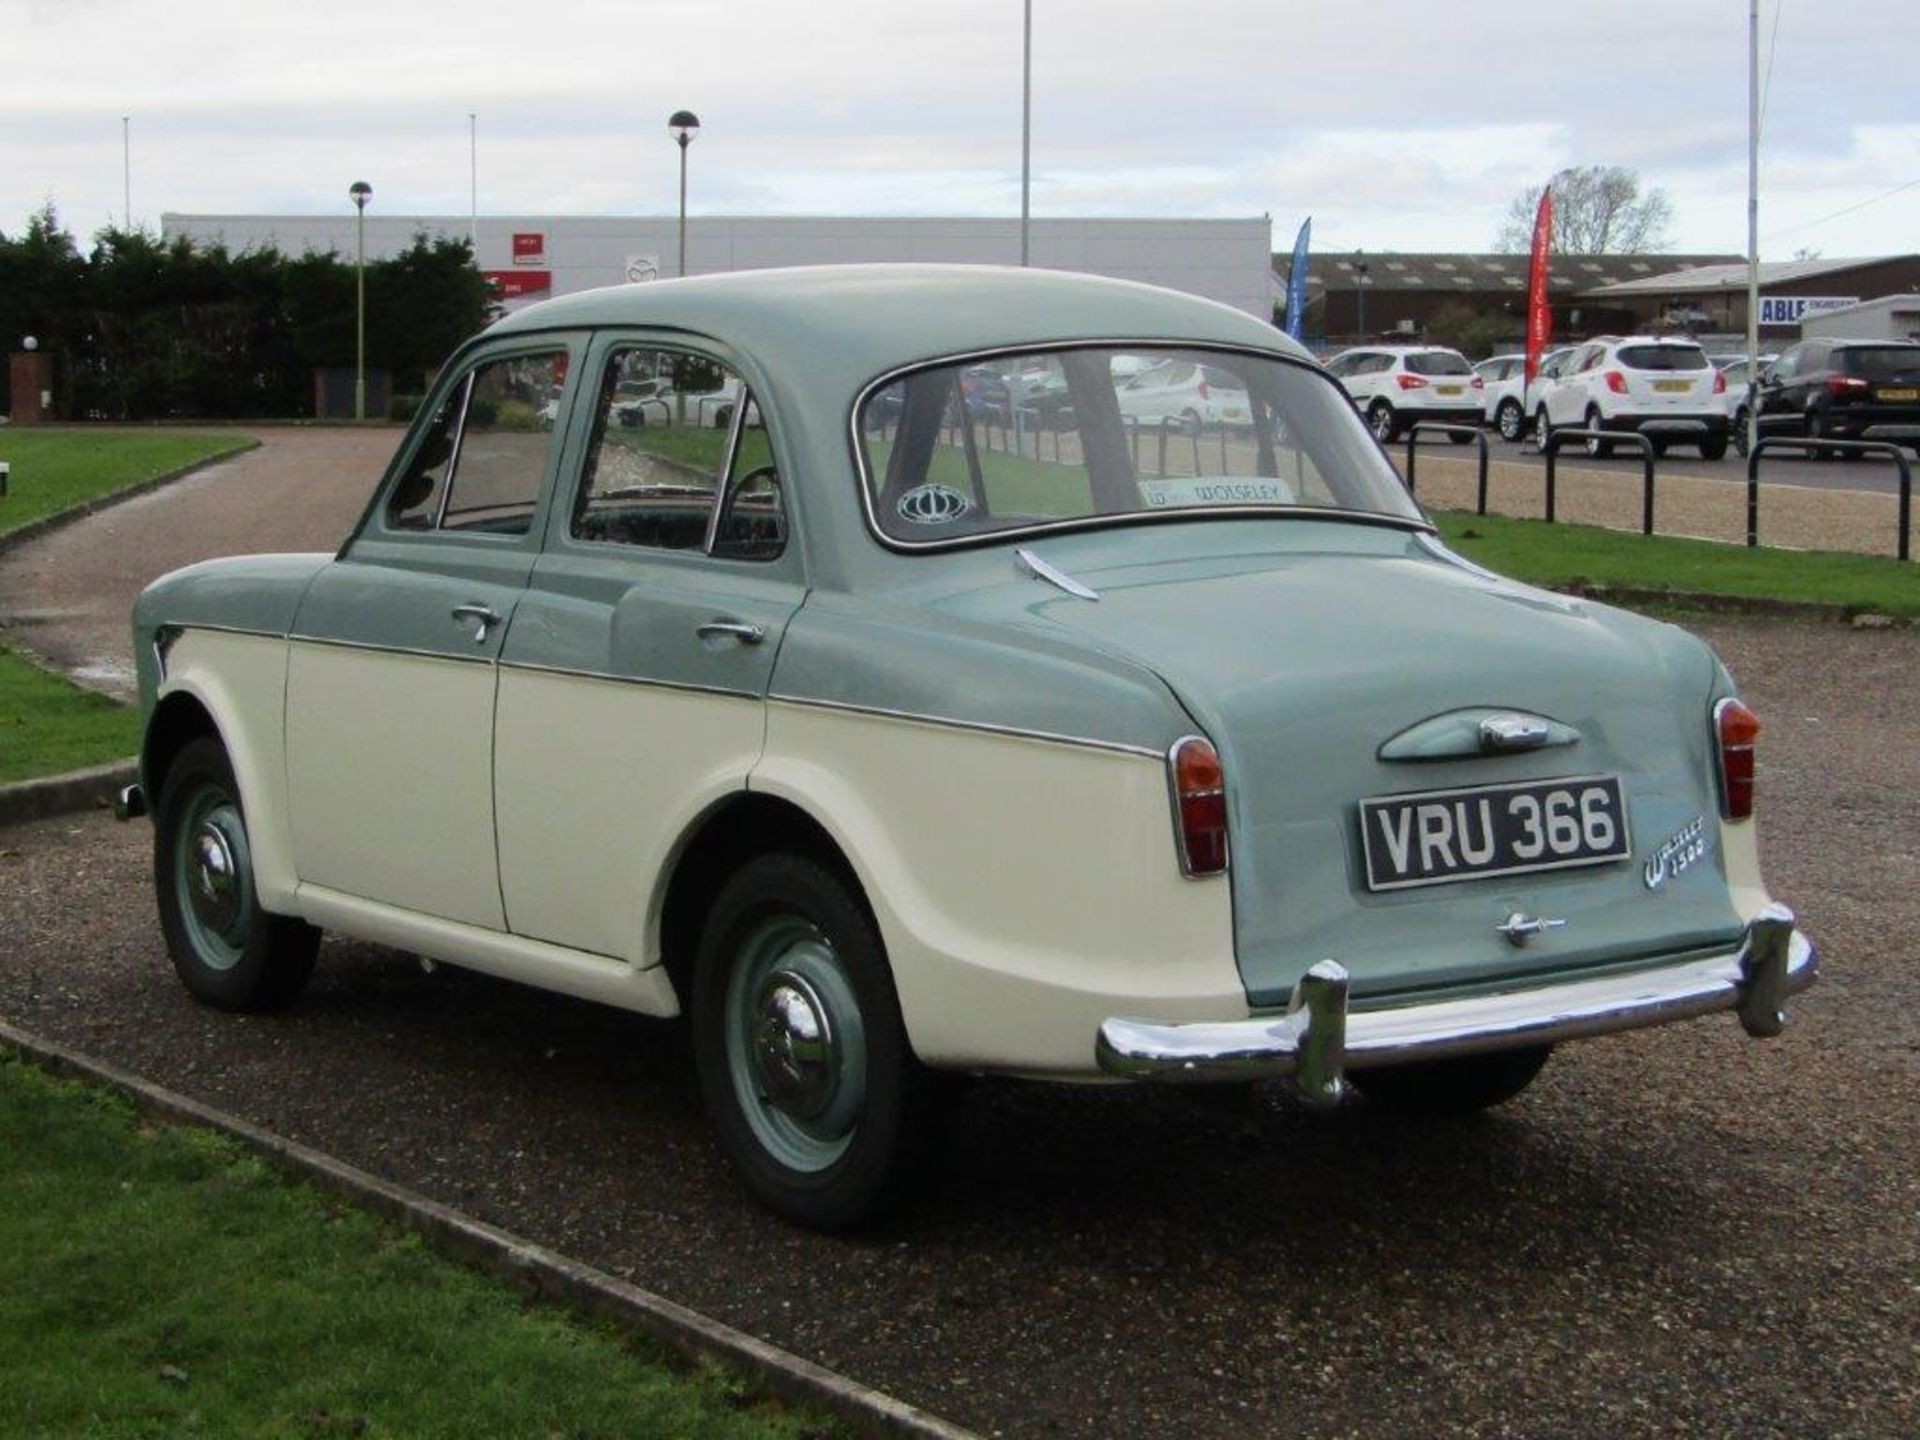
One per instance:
(1903, 546)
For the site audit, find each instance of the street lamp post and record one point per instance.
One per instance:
(683, 125)
(360, 192)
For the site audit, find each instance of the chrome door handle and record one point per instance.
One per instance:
(484, 618)
(732, 629)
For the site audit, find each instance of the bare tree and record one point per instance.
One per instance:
(1597, 210)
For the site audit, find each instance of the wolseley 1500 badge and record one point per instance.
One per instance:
(1674, 854)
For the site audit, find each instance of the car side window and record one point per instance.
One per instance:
(752, 522)
(485, 452)
(1784, 367)
(660, 429)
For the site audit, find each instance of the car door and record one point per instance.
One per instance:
(634, 678)
(392, 658)
(1773, 395)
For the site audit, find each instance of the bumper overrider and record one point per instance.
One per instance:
(1317, 1041)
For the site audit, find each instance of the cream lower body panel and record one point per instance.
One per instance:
(1026, 890)
(241, 680)
(1740, 853)
(511, 957)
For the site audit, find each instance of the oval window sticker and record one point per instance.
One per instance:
(933, 505)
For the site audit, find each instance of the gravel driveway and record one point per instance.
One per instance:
(1682, 1232)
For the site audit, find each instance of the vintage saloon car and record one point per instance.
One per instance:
(886, 735)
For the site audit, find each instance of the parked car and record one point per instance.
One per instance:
(1504, 404)
(1662, 388)
(881, 744)
(1553, 365)
(1396, 386)
(1841, 389)
(1197, 395)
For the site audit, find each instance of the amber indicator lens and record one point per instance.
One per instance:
(1200, 799)
(1737, 728)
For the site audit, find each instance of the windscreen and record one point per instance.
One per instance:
(1663, 357)
(1103, 433)
(1439, 362)
(1882, 362)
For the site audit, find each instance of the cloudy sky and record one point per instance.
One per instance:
(1396, 125)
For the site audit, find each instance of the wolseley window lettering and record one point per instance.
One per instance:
(1442, 836)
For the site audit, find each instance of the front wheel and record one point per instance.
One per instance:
(802, 1056)
(227, 950)
(1510, 421)
(1452, 1087)
(1597, 449)
(1380, 420)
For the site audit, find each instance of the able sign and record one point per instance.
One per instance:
(1792, 309)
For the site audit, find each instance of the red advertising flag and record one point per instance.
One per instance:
(1539, 308)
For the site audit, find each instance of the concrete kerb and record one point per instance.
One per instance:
(534, 1270)
(37, 799)
(46, 524)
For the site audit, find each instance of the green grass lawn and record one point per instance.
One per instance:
(161, 1281)
(49, 725)
(54, 470)
(1543, 554)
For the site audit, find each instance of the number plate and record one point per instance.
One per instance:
(1440, 836)
(1673, 387)
(1451, 389)
(1896, 395)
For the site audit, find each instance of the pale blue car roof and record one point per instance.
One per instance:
(840, 325)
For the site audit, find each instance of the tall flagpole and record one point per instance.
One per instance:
(1753, 217)
(473, 184)
(126, 172)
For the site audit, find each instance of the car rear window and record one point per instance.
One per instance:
(1663, 357)
(1882, 362)
(1438, 362)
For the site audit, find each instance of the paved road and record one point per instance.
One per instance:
(67, 595)
(1675, 1233)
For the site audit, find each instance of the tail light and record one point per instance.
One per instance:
(1845, 384)
(1735, 729)
(1199, 805)
(1719, 382)
(1411, 382)
(1478, 383)
(1204, 392)
(1616, 382)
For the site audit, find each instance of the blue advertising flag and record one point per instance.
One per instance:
(1297, 283)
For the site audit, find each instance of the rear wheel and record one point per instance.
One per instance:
(1452, 1087)
(1714, 447)
(1510, 421)
(226, 949)
(1737, 432)
(802, 1057)
(1597, 449)
(1383, 423)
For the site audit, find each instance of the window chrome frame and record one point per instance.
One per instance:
(1417, 523)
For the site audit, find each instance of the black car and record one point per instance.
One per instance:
(1841, 389)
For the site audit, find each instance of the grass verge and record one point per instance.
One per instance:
(161, 1281)
(49, 725)
(55, 470)
(1543, 554)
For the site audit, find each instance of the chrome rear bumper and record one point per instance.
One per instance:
(1317, 1041)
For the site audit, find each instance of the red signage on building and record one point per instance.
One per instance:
(529, 248)
(520, 282)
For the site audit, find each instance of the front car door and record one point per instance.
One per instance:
(391, 667)
(633, 682)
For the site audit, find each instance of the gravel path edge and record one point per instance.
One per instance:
(537, 1272)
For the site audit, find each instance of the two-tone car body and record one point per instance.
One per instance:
(884, 736)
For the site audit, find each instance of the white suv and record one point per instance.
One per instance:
(1505, 379)
(1393, 386)
(1664, 389)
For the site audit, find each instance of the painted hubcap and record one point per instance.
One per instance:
(211, 885)
(213, 877)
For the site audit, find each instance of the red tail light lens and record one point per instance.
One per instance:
(1719, 382)
(1199, 805)
(1411, 382)
(1479, 383)
(1735, 728)
(1616, 382)
(1844, 384)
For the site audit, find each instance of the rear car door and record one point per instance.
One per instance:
(391, 667)
(633, 682)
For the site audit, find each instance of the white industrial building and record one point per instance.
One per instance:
(532, 257)
(1891, 317)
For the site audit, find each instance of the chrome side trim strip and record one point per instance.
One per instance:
(953, 723)
(1772, 961)
(641, 680)
(183, 626)
(451, 657)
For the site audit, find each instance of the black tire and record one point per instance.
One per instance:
(824, 1134)
(1458, 1086)
(1461, 439)
(1714, 447)
(1737, 432)
(227, 950)
(1511, 421)
(1820, 427)
(1659, 447)
(1596, 449)
(1542, 429)
(1382, 421)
